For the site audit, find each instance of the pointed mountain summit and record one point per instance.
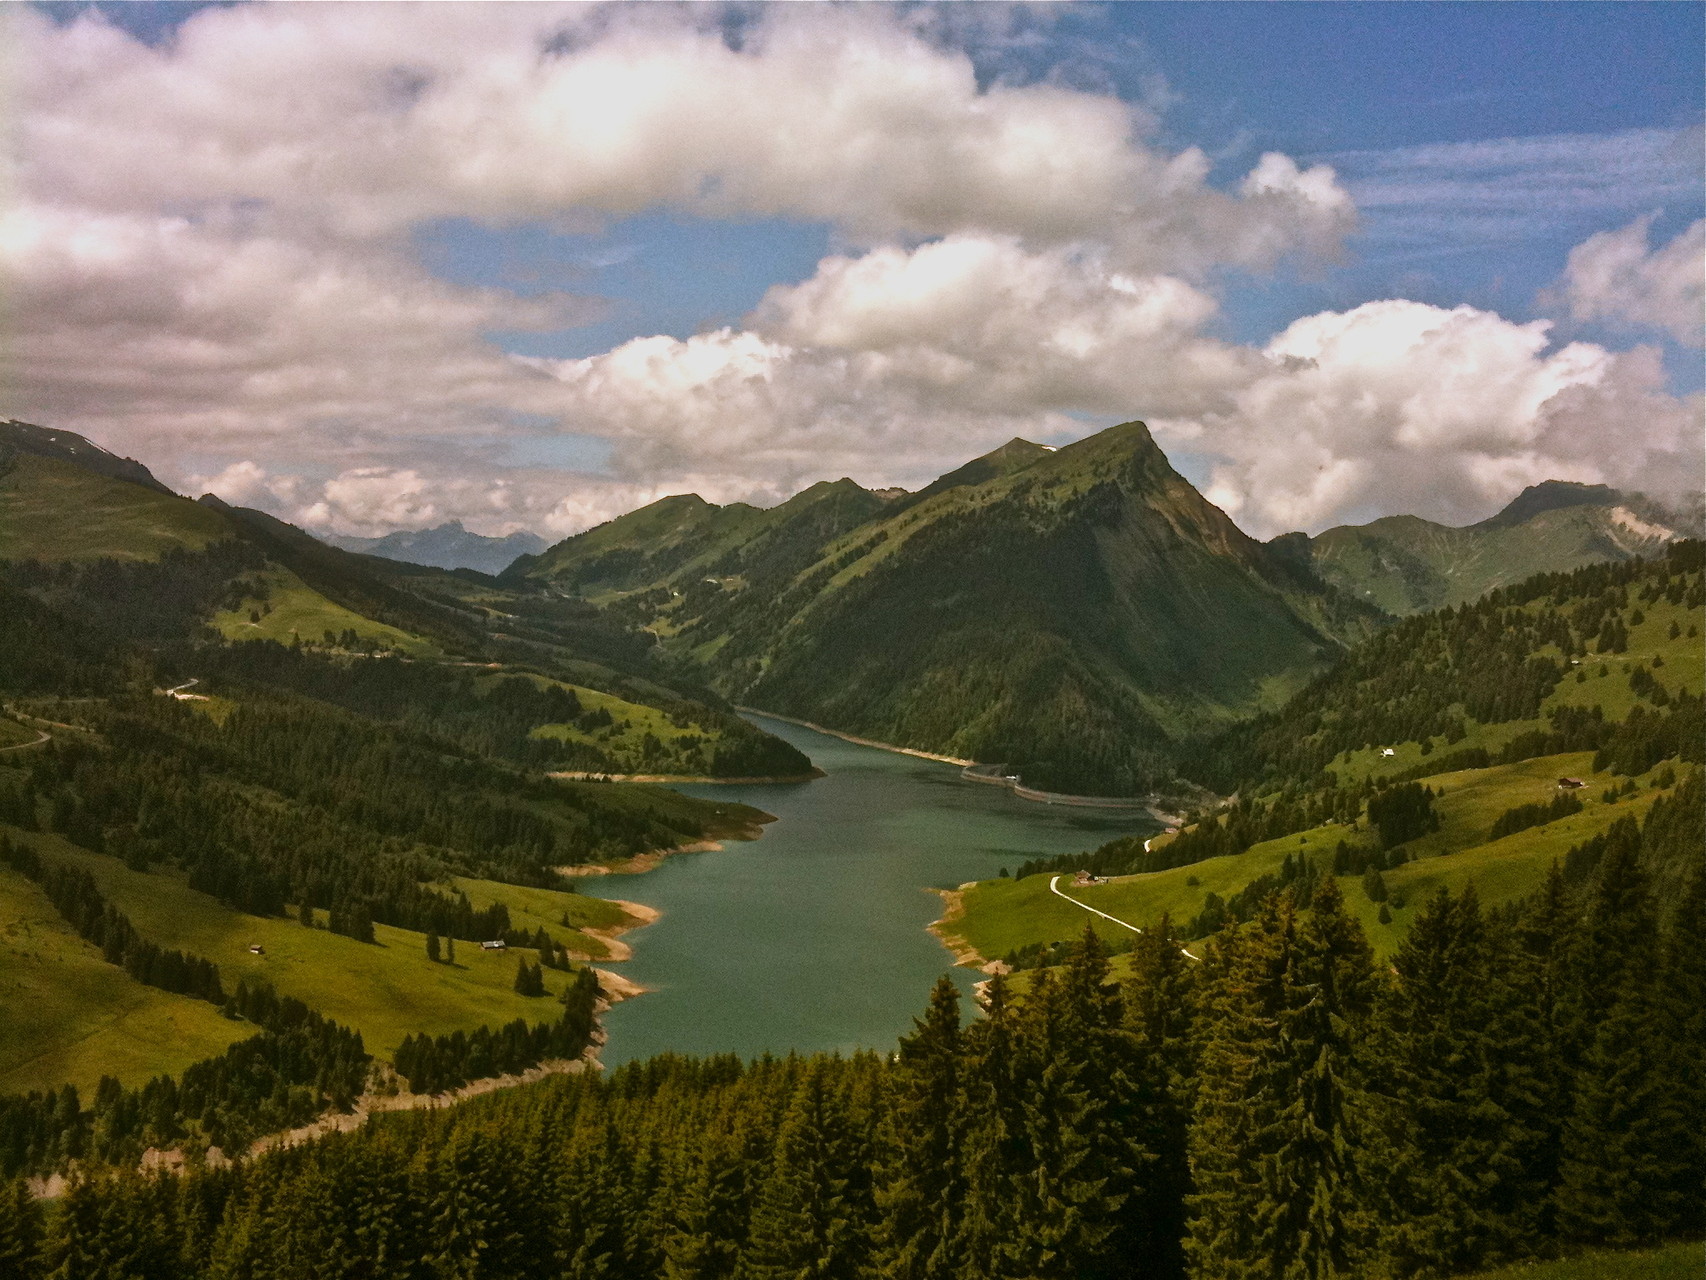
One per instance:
(1015, 455)
(1076, 613)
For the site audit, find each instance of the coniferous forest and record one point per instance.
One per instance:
(1514, 1083)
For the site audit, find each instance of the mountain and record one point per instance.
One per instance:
(68, 446)
(445, 546)
(1074, 613)
(136, 564)
(1405, 564)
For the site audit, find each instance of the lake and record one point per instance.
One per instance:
(813, 937)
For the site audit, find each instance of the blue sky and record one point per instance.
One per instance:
(580, 320)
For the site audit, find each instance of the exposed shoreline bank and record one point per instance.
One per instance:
(668, 778)
(640, 863)
(953, 910)
(973, 771)
(858, 742)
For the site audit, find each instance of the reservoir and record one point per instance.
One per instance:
(813, 937)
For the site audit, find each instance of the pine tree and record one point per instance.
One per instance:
(1453, 1136)
(432, 947)
(922, 1188)
(1159, 1005)
(1273, 1139)
(1617, 1155)
(807, 1219)
(20, 1233)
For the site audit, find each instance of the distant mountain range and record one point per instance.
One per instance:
(1076, 613)
(1083, 615)
(445, 546)
(1405, 564)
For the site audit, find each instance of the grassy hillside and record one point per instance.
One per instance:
(55, 510)
(287, 610)
(1682, 1261)
(1629, 706)
(67, 1016)
(385, 989)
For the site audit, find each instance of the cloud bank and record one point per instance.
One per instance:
(208, 261)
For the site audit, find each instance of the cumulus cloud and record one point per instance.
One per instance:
(169, 332)
(1616, 276)
(1397, 406)
(373, 118)
(208, 262)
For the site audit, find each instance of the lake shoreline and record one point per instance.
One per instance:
(973, 771)
(856, 741)
(666, 779)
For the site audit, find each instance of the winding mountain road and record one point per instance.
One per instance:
(45, 737)
(1054, 888)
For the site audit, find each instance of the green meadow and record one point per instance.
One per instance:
(385, 989)
(562, 915)
(54, 510)
(67, 1016)
(1004, 915)
(1686, 1261)
(300, 612)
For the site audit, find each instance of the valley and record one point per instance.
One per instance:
(292, 836)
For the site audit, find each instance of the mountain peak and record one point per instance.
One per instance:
(68, 446)
(1552, 495)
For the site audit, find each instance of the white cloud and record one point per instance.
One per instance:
(166, 333)
(1615, 276)
(1397, 406)
(372, 118)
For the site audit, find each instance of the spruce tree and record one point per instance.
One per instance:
(922, 1187)
(1453, 1134)
(807, 1219)
(1273, 1139)
(20, 1232)
(1159, 1006)
(1617, 1154)
(432, 947)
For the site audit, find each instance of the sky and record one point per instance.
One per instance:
(378, 266)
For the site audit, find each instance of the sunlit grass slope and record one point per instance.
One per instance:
(67, 1016)
(385, 989)
(297, 611)
(1004, 915)
(55, 510)
(1684, 1261)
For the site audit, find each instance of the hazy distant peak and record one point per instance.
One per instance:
(445, 546)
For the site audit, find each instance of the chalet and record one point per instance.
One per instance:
(1570, 784)
(499, 945)
(1085, 878)
(256, 949)
(1387, 751)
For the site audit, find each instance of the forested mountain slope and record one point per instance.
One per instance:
(1430, 758)
(72, 516)
(1078, 614)
(1406, 565)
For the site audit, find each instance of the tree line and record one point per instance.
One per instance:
(1512, 1083)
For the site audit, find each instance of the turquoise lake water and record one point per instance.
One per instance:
(813, 937)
